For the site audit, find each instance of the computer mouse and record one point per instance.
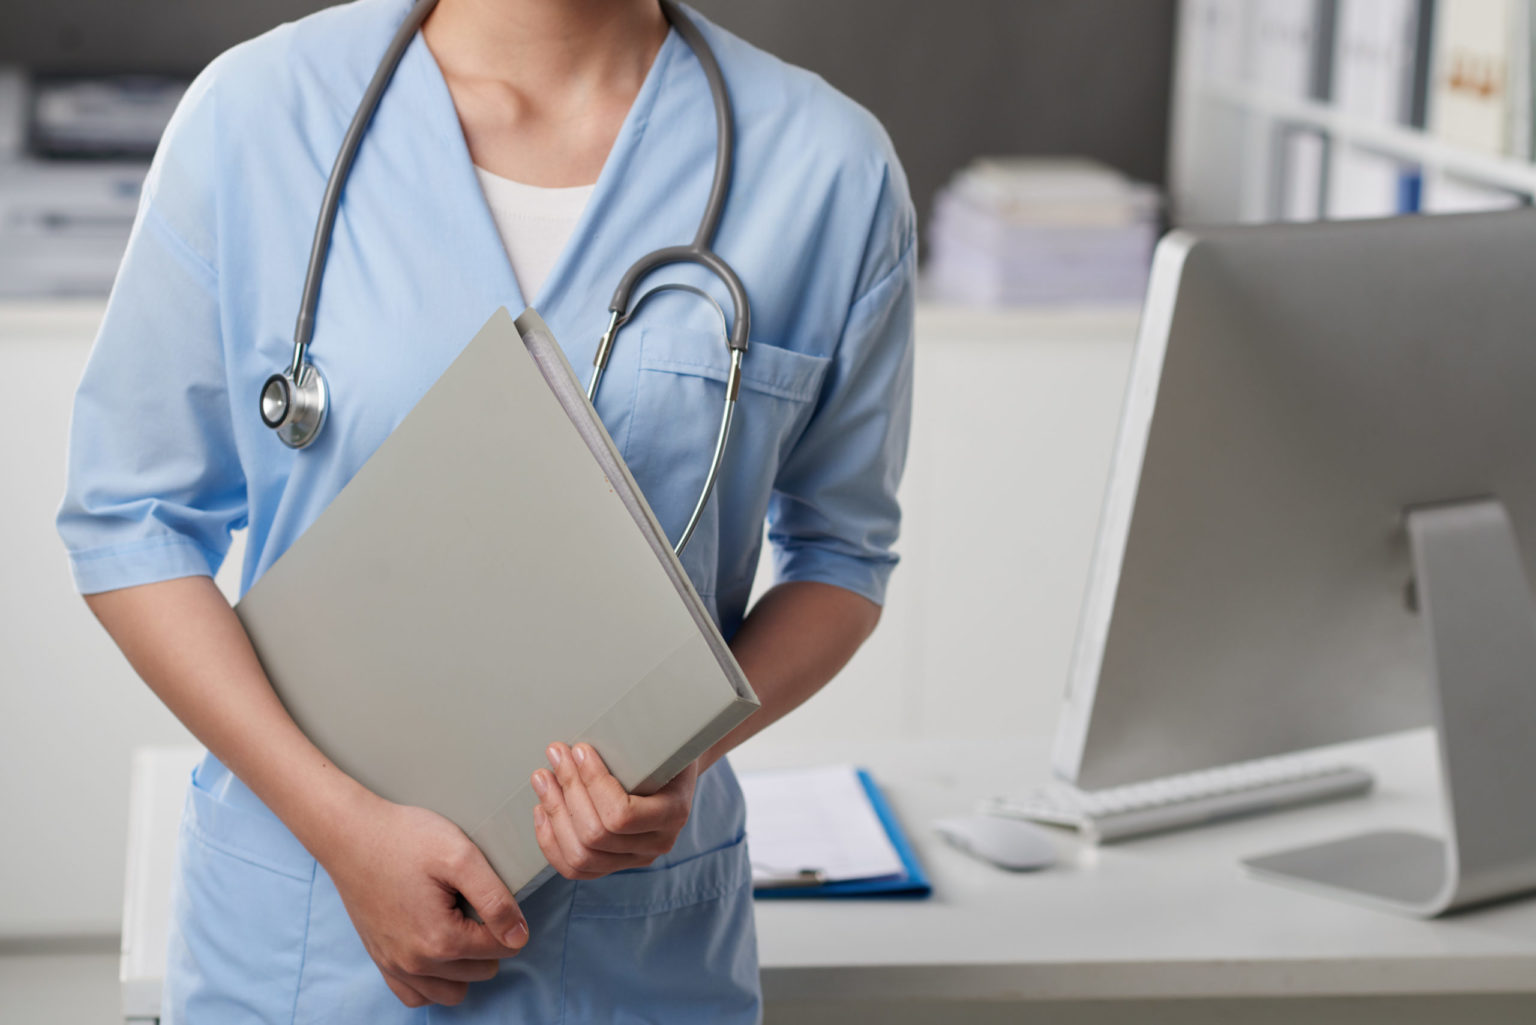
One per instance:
(1007, 843)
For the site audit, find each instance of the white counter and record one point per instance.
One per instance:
(1166, 918)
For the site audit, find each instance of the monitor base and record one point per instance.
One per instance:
(1398, 871)
(1476, 603)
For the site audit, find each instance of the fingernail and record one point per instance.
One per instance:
(538, 783)
(517, 935)
(554, 755)
(579, 753)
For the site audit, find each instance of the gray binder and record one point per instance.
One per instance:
(492, 581)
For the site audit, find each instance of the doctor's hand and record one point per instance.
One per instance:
(400, 874)
(588, 826)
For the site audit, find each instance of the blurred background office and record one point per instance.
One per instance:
(1043, 77)
(1047, 143)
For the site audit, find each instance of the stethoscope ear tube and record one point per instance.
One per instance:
(616, 321)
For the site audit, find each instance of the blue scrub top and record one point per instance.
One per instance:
(168, 453)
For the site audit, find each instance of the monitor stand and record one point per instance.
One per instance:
(1477, 606)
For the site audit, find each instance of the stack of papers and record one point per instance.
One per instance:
(826, 832)
(1042, 231)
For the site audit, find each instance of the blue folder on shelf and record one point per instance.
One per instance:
(911, 882)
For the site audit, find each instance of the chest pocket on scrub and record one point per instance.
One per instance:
(678, 398)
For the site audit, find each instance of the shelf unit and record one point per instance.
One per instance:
(1225, 154)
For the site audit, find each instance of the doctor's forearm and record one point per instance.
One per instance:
(795, 639)
(391, 864)
(186, 642)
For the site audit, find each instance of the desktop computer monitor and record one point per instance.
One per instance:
(1317, 418)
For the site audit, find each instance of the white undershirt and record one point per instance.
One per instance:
(535, 224)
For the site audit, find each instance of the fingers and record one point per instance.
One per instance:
(421, 990)
(611, 801)
(545, 834)
(435, 976)
(436, 991)
(404, 992)
(621, 813)
(588, 826)
(504, 931)
(592, 831)
(472, 941)
(415, 909)
(558, 838)
(467, 970)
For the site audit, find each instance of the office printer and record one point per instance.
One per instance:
(73, 156)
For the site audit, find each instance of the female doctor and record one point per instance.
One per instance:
(525, 152)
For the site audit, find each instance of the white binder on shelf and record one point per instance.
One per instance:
(1364, 184)
(1222, 31)
(1378, 70)
(1470, 96)
(1379, 77)
(492, 581)
(1445, 194)
(1303, 153)
(1292, 44)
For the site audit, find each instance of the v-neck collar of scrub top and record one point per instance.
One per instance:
(818, 225)
(440, 113)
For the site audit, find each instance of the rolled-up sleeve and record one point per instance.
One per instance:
(833, 516)
(154, 485)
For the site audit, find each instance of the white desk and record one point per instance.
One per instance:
(1169, 919)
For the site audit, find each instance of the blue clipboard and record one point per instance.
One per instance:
(911, 884)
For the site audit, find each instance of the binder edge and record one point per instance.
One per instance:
(561, 378)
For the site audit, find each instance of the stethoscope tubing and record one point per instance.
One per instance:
(732, 391)
(341, 169)
(741, 322)
(699, 252)
(302, 375)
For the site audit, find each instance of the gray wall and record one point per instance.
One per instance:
(954, 79)
(949, 79)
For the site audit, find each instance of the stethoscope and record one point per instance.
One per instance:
(294, 402)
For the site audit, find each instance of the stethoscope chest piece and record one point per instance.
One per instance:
(295, 405)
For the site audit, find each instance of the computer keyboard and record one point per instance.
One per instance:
(1191, 799)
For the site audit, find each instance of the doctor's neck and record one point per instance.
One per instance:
(542, 46)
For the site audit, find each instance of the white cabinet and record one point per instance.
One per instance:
(71, 709)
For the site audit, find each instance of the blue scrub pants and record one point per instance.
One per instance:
(259, 933)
